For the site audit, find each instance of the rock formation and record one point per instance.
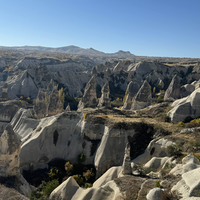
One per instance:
(55, 105)
(22, 85)
(42, 101)
(68, 108)
(187, 90)
(104, 101)
(89, 98)
(143, 97)
(186, 107)
(126, 166)
(131, 91)
(174, 89)
(10, 146)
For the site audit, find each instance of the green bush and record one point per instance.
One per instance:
(157, 183)
(181, 124)
(88, 174)
(81, 158)
(50, 186)
(174, 150)
(160, 99)
(78, 178)
(68, 168)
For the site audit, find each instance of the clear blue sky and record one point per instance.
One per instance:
(143, 27)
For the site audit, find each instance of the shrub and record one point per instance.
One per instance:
(50, 186)
(84, 115)
(157, 183)
(68, 168)
(88, 174)
(78, 178)
(87, 185)
(160, 99)
(53, 173)
(106, 116)
(81, 158)
(61, 95)
(174, 150)
(181, 124)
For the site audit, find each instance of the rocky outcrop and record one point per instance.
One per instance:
(40, 107)
(187, 90)
(126, 166)
(10, 146)
(186, 107)
(143, 97)
(156, 148)
(89, 98)
(22, 85)
(131, 91)
(55, 105)
(70, 190)
(8, 110)
(174, 89)
(104, 101)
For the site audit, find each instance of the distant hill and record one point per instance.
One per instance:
(73, 50)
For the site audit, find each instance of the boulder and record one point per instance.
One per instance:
(104, 101)
(55, 105)
(10, 146)
(174, 89)
(186, 107)
(131, 91)
(89, 98)
(143, 97)
(154, 194)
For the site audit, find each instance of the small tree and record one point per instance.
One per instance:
(61, 95)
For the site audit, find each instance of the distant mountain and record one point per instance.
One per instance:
(73, 50)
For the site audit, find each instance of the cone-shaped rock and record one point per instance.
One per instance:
(131, 91)
(68, 108)
(126, 167)
(174, 89)
(105, 100)
(89, 98)
(55, 105)
(143, 97)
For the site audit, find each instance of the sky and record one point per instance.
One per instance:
(169, 28)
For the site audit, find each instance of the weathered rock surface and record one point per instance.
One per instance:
(104, 101)
(126, 166)
(55, 105)
(68, 108)
(156, 148)
(131, 91)
(89, 98)
(109, 175)
(143, 97)
(174, 89)
(22, 85)
(9, 153)
(186, 107)
(189, 185)
(155, 194)
(40, 107)
(70, 190)
(187, 90)
(189, 163)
